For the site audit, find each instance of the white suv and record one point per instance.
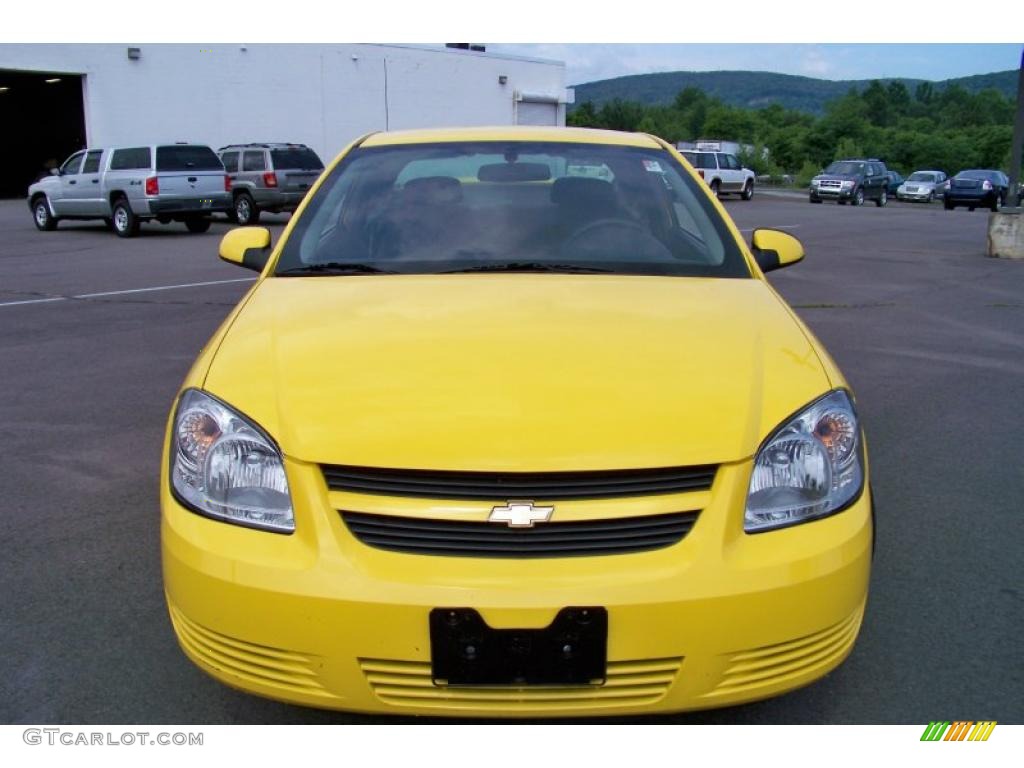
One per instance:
(722, 172)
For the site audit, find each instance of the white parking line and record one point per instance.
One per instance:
(121, 293)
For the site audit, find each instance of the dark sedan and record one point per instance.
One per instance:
(977, 189)
(895, 180)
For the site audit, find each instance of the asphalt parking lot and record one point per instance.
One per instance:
(96, 333)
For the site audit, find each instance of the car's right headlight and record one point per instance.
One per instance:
(815, 182)
(810, 467)
(226, 467)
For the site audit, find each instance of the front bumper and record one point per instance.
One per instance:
(832, 193)
(915, 196)
(320, 619)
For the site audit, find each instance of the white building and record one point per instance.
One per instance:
(320, 95)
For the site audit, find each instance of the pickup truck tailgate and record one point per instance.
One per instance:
(189, 170)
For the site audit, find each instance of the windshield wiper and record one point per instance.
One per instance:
(527, 266)
(335, 268)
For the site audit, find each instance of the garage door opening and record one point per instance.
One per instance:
(42, 120)
(536, 110)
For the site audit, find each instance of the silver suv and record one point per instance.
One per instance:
(268, 177)
(127, 185)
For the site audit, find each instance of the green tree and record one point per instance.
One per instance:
(619, 115)
(899, 98)
(807, 172)
(876, 104)
(584, 116)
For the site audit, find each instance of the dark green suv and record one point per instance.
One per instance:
(852, 181)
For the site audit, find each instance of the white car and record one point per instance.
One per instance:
(922, 186)
(723, 172)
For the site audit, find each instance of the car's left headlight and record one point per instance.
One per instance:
(810, 467)
(226, 467)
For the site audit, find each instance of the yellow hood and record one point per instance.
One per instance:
(519, 372)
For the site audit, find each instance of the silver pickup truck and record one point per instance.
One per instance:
(127, 185)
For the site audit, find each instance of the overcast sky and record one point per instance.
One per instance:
(586, 62)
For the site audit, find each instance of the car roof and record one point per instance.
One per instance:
(511, 133)
(153, 145)
(264, 145)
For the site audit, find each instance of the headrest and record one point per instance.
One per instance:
(436, 190)
(581, 191)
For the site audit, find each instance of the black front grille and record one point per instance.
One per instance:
(480, 539)
(535, 486)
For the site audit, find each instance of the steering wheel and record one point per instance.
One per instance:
(600, 230)
(598, 225)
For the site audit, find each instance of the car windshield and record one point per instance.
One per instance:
(922, 177)
(297, 158)
(845, 168)
(511, 206)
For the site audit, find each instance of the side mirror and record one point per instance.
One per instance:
(55, 171)
(247, 247)
(774, 249)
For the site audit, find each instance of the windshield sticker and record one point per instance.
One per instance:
(653, 166)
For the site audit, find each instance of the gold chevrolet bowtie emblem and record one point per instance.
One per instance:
(520, 514)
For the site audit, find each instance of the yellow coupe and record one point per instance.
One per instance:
(512, 424)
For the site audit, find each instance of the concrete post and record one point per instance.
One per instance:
(1006, 229)
(1018, 136)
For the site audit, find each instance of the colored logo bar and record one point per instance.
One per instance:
(960, 730)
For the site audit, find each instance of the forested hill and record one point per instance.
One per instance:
(760, 89)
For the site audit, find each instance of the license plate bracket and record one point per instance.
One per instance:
(572, 650)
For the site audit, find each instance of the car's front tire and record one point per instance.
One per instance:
(997, 203)
(748, 190)
(882, 199)
(858, 197)
(41, 216)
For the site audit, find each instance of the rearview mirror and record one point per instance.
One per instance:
(510, 172)
(247, 247)
(774, 249)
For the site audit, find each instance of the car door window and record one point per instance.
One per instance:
(254, 161)
(230, 160)
(723, 163)
(92, 161)
(72, 165)
(733, 163)
(130, 159)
